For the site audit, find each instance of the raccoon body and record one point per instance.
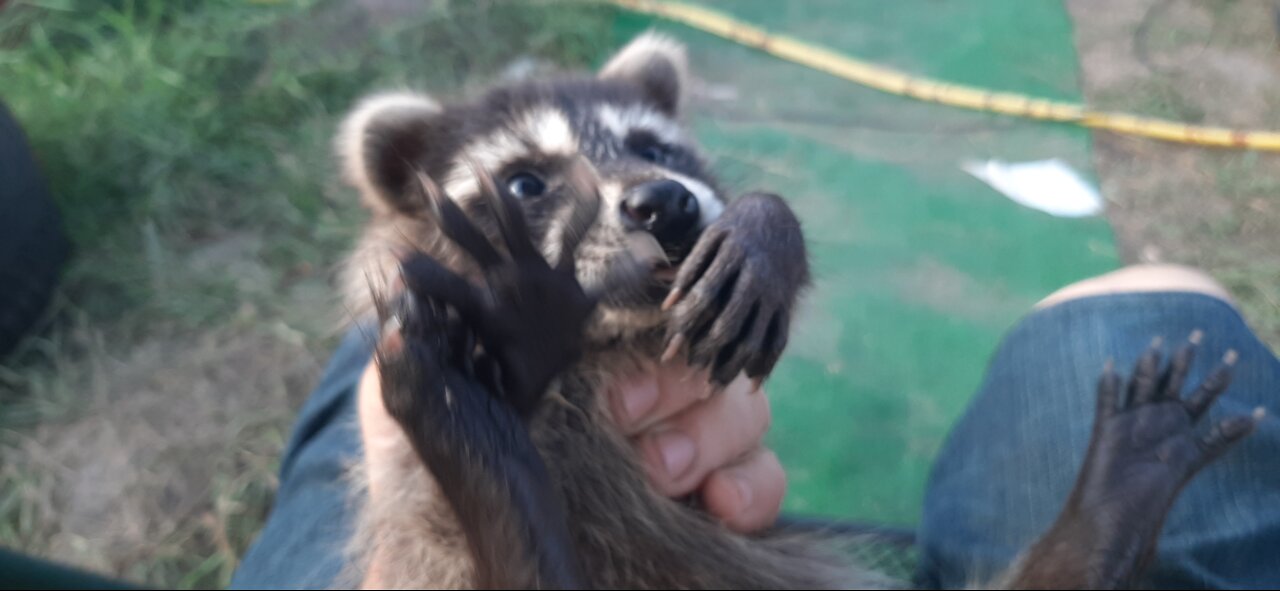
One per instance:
(625, 121)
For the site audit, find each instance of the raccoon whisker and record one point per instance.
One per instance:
(369, 335)
(398, 254)
(618, 284)
(378, 296)
(584, 211)
(428, 193)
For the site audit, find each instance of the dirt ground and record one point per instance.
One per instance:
(168, 456)
(1211, 62)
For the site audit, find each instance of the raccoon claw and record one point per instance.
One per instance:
(732, 299)
(1145, 447)
(731, 320)
(455, 225)
(529, 316)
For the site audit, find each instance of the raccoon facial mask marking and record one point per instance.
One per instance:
(623, 120)
(543, 130)
(709, 206)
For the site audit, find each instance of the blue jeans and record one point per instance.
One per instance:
(998, 482)
(1008, 465)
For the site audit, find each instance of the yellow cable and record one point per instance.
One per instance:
(956, 95)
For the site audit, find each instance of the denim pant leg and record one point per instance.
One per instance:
(301, 545)
(1008, 465)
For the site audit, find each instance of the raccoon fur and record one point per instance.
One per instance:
(626, 121)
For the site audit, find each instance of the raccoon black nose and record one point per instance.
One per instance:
(664, 208)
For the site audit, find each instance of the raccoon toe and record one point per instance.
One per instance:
(732, 321)
(731, 302)
(529, 316)
(1146, 442)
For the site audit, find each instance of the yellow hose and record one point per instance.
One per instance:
(956, 95)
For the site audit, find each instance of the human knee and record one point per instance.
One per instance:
(1141, 278)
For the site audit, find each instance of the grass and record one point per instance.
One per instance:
(164, 124)
(1155, 97)
(188, 145)
(1244, 256)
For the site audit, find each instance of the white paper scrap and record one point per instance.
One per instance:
(1051, 186)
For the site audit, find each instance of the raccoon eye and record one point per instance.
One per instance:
(652, 153)
(524, 185)
(646, 146)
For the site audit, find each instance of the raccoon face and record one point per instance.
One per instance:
(624, 120)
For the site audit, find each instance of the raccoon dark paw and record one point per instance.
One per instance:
(732, 300)
(529, 316)
(1145, 448)
(441, 391)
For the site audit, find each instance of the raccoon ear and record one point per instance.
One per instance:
(658, 64)
(380, 142)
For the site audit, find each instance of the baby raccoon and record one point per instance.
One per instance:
(501, 243)
(537, 140)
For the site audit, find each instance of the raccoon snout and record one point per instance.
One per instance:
(665, 209)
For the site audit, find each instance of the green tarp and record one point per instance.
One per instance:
(920, 267)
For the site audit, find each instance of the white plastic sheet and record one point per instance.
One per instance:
(1051, 186)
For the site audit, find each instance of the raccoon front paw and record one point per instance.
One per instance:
(442, 393)
(733, 297)
(529, 317)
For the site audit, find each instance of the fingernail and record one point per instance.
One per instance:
(1231, 357)
(744, 493)
(672, 298)
(639, 396)
(1156, 342)
(1196, 335)
(1259, 413)
(677, 452)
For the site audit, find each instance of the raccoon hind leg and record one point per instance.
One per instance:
(1146, 446)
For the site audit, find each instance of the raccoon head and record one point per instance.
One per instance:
(624, 120)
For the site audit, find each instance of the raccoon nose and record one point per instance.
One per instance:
(663, 208)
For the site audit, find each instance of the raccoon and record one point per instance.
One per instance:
(502, 241)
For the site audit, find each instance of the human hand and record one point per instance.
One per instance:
(694, 443)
